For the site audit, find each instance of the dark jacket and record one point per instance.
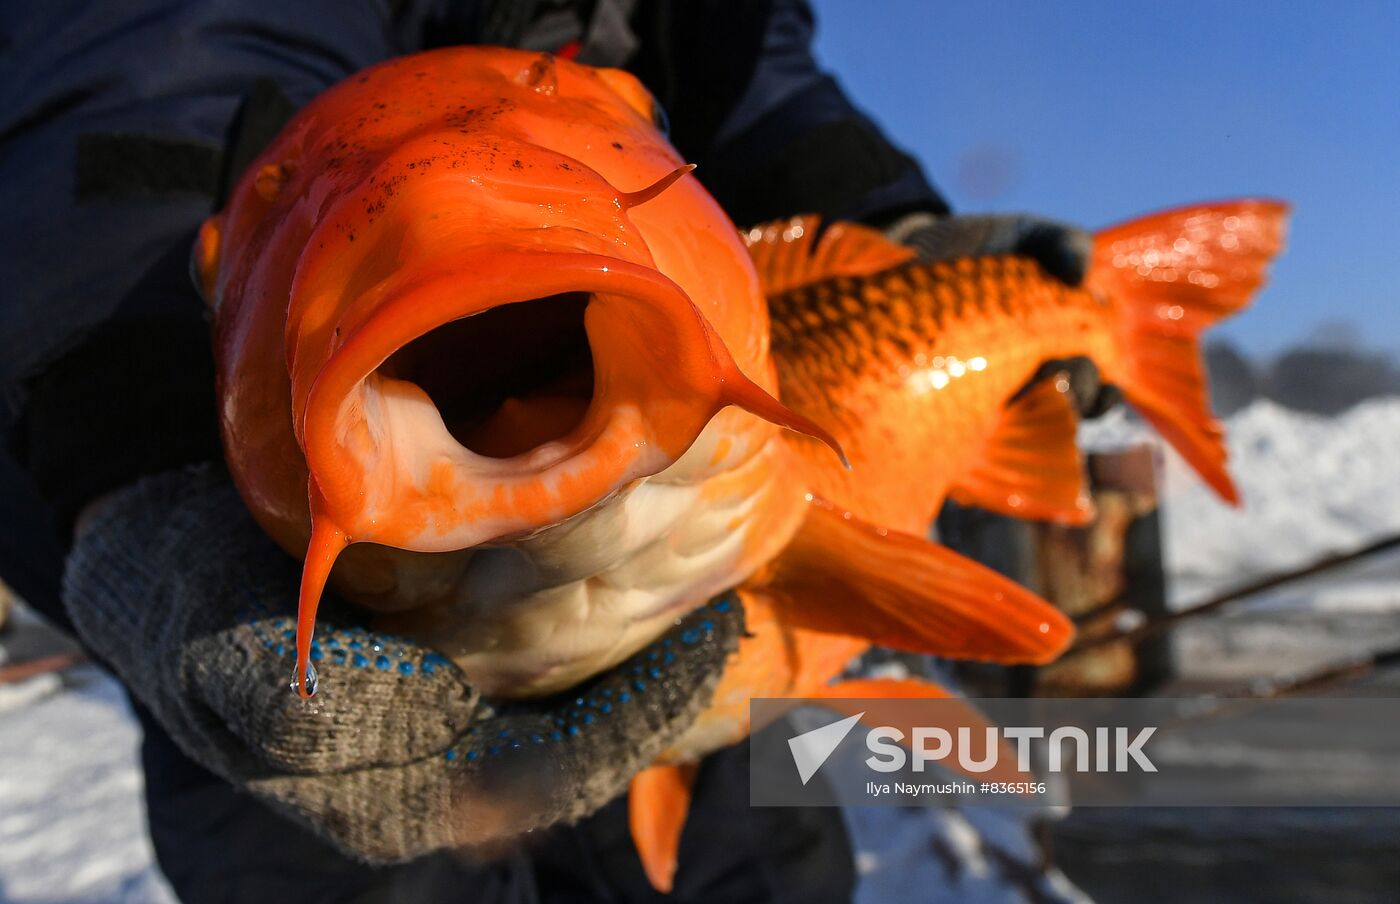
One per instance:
(122, 125)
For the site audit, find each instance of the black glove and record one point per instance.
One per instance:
(172, 583)
(1061, 250)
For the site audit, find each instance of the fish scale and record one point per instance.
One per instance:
(848, 350)
(912, 306)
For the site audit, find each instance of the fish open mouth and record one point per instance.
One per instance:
(508, 391)
(499, 394)
(507, 380)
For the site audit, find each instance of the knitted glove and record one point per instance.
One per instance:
(1061, 250)
(395, 756)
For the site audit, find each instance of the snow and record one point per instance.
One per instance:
(72, 825)
(71, 819)
(1311, 486)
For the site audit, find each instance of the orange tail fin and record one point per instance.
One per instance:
(657, 803)
(1172, 275)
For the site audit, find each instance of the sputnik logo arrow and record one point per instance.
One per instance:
(812, 748)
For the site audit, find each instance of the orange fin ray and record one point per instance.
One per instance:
(787, 254)
(1030, 466)
(842, 575)
(1173, 274)
(657, 804)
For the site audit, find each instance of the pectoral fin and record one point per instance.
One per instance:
(1030, 466)
(842, 575)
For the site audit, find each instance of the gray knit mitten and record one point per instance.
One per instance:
(174, 585)
(1060, 249)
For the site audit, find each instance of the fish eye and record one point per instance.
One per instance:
(659, 118)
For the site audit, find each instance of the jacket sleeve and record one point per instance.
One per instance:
(773, 134)
(114, 118)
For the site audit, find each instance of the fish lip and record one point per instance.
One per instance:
(616, 443)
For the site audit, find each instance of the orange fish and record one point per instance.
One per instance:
(921, 372)
(484, 348)
(466, 299)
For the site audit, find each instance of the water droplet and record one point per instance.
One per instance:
(312, 681)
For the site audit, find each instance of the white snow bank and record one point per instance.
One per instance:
(72, 826)
(1311, 486)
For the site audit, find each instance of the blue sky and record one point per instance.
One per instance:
(1094, 112)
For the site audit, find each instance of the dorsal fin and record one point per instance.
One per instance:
(1030, 466)
(787, 253)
